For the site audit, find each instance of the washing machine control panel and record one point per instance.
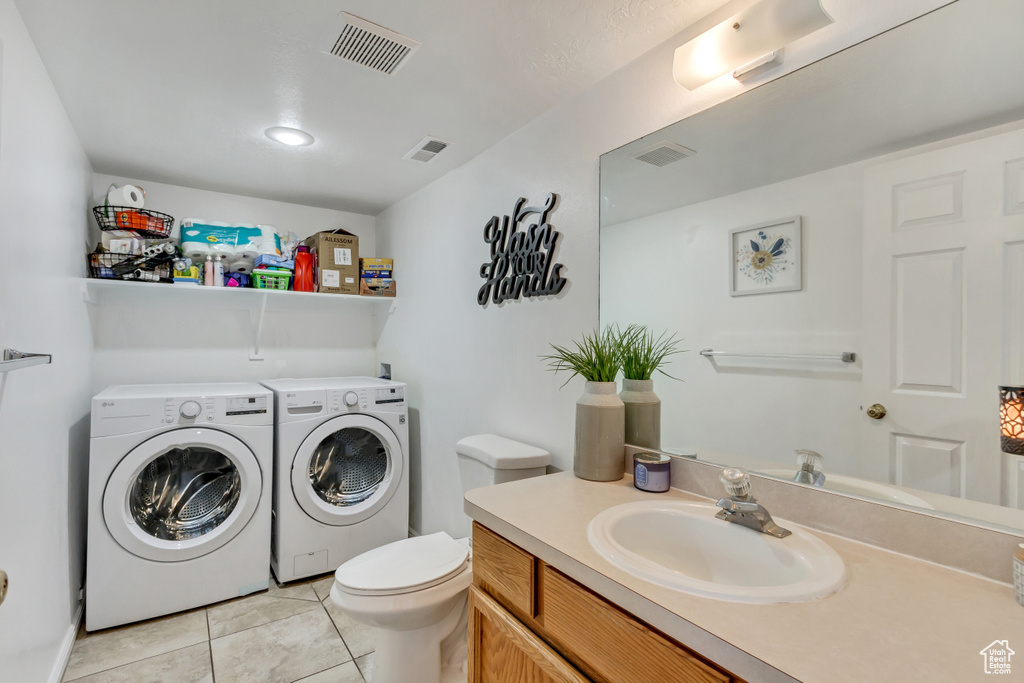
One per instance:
(387, 395)
(343, 400)
(198, 409)
(246, 405)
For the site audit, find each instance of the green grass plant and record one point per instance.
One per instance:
(595, 358)
(641, 353)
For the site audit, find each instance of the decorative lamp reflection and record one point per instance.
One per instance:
(1011, 418)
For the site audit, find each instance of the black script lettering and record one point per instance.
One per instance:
(522, 261)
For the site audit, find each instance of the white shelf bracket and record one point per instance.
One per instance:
(256, 350)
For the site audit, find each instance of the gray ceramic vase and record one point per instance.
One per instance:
(600, 433)
(643, 413)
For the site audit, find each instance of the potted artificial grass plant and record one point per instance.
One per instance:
(642, 354)
(600, 413)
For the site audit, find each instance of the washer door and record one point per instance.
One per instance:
(182, 494)
(347, 469)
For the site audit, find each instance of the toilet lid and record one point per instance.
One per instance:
(404, 565)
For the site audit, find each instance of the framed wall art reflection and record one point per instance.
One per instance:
(765, 258)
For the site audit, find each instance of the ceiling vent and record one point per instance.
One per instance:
(663, 154)
(426, 149)
(366, 43)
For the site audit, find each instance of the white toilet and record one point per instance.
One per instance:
(414, 591)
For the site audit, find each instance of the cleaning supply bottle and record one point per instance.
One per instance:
(303, 270)
(208, 271)
(218, 271)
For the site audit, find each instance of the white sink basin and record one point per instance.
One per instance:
(859, 487)
(683, 546)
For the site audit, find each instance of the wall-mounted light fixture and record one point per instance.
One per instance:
(1011, 419)
(754, 33)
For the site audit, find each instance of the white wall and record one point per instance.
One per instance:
(476, 370)
(759, 407)
(44, 430)
(179, 340)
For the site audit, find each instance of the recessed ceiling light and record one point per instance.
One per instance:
(292, 137)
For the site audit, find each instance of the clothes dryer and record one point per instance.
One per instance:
(341, 482)
(179, 498)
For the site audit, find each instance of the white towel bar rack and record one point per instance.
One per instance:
(845, 356)
(16, 360)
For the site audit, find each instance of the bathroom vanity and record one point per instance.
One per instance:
(546, 606)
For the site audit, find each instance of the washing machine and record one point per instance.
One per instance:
(341, 480)
(180, 481)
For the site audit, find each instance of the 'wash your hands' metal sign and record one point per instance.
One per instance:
(521, 261)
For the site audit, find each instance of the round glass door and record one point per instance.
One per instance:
(348, 466)
(182, 494)
(185, 493)
(347, 469)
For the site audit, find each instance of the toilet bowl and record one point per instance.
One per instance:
(415, 591)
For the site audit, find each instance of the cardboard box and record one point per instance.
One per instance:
(336, 259)
(376, 264)
(377, 287)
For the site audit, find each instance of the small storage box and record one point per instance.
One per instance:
(271, 279)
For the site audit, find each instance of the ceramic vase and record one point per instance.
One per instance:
(600, 433)
(643, 413)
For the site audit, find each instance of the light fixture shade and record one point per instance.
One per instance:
(293, 137)
(760, 29)
(1011, 419)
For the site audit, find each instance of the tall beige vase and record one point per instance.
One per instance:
(643, 413)
(600, 433)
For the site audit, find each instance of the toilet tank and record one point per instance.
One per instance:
(486, 459)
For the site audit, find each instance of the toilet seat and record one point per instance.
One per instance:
(405, 566)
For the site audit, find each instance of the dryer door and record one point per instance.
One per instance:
(182, 494)
(347, 469)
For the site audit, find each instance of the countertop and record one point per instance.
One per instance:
(897, 618)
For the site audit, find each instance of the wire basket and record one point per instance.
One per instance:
(143, 222)
(147, 268)
(271, 279)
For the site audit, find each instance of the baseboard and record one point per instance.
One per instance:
(61, 663)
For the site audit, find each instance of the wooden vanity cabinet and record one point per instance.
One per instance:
(529, 623)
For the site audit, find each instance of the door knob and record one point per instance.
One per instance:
(876, 411)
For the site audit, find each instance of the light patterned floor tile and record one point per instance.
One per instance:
(359, 638)
(95, 652)
(323, 587)
(346, 673)
(298, 591)
(255, 610)
(279, 652)
(188, 665)
(365, 664)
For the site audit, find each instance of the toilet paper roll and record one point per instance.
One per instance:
(241, 265)
(127, 195)
(247, 250)
(197, 251)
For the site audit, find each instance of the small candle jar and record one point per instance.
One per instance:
(651, 472)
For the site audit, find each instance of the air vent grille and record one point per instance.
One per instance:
(426, 149)
(366, 43)
(663, 154)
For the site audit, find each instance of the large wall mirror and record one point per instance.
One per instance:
(871, 203)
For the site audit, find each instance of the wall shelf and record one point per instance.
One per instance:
(98, 292)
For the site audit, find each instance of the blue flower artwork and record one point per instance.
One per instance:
(763, 258)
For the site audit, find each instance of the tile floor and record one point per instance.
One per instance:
(286, 634)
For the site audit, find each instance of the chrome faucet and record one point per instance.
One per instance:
(810, 468)
(742, 508)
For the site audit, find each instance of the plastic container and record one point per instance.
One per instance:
(303, 270)
(271, 279)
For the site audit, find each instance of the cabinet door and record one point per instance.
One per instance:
(502, 650)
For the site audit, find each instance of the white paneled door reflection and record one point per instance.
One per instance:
(944, 316)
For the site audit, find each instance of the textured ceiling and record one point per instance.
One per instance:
(181, 92)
